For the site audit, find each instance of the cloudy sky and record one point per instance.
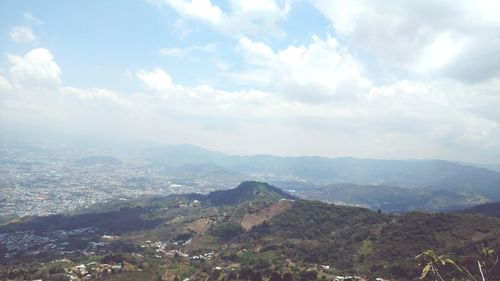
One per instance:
(373, 79)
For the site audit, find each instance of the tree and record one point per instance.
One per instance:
(287, 277)
(275, 276)
(308, 275)
(432, 262)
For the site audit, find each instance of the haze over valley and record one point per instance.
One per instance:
(42, 180)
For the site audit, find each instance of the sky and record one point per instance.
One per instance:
(391, 79)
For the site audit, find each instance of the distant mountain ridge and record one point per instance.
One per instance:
(429, 174)
(392, 198)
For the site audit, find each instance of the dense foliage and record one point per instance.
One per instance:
(489, 209)
(248, 191)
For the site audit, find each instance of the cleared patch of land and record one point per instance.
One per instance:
(201, 225)
(264, 214)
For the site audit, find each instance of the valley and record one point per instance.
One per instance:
(43, 180)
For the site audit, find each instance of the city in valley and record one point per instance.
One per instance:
(38, 183)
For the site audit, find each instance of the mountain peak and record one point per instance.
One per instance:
(248, 191)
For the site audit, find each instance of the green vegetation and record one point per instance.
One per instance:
(153, 239)
(257, 192)
(489, 209)
(391, 198)
(227, 230)
(314, 219)
(114, 222)
(444, 268)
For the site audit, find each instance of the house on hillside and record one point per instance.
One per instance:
(347, 278)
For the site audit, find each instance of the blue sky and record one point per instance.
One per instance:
(378, 79)
(97, 43)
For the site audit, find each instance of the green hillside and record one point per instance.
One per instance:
(252, 231)
(359, 240)
(391, 198)
(489, 209)
(248, 191)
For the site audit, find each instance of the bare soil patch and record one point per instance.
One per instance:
(264, 214)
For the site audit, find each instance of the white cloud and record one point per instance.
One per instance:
(157, 80)
(250, 78)
(30, 18)
(448, 117)
(22, 34)
(35, 69)
(180, 52)
(488, 9)
(454, 115)
(424, 119)
(198, 9)
(4, 84)
(322, 71)
(399, 88)
(257, 52)
(422, 36)
(256, 5)
(443, 50)
(95, 95)
(256, 17)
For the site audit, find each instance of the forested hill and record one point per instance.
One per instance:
(248, 191)
(254, 226)
(391, 198)
(489, 209)
(360, 240)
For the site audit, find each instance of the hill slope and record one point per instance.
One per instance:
(391, 198)
(247, 230)
(489, 209)
(359, 240)
(248, 191)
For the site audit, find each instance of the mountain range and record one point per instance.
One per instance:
(391, 185)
